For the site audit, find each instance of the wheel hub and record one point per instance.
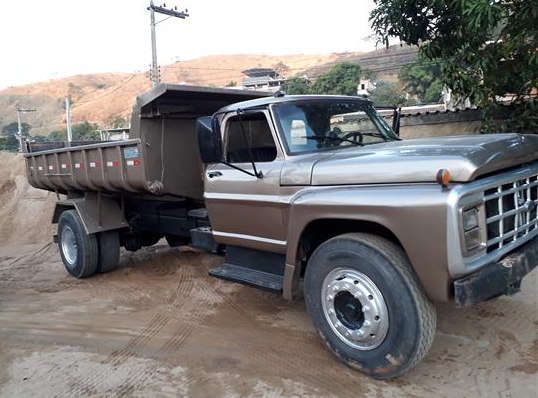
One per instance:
(69, 246)
(355, 308)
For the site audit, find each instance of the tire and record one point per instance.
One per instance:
(109, 251)
(79, 251)
(176, 241)
(367, 304)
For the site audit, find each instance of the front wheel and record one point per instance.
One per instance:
(79, 251)
(368, 306)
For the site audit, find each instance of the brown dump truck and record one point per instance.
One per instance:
(317, 191)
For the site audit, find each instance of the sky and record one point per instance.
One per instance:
(56, 38)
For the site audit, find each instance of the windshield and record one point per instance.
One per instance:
(316, 125)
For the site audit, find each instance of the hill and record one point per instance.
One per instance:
(101, 97)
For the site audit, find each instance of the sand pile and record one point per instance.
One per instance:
(25, 212)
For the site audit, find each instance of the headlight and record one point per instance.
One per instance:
(472, 239)
(470, 219)
(471, 230)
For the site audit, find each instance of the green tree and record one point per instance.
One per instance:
(422, 79)
(486, 49)
(117, 122)
(58, 135)
(388, 94)
(296, 85)
(231, 83)
(85, 131)
(81, 132)
(9, 143)
(13, 128)
(341, 79)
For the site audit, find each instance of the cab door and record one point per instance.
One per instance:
(245, 210)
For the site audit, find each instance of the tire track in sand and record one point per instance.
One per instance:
(91, 381)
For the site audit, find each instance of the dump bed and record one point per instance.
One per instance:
(160, 157)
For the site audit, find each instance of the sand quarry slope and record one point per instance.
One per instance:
(25, 212)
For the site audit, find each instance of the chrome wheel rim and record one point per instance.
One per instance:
(354, 308)
(69, 245)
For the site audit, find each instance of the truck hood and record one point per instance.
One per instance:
(466, 157)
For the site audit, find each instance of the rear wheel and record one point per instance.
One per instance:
(79, 251)
(368, 306)
(109, 251)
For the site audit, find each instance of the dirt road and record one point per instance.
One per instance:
(160, 327)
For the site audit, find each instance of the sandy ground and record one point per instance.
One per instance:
(160, 327)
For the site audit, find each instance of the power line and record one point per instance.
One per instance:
(108, 93)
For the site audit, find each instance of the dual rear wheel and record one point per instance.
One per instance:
(83, 255)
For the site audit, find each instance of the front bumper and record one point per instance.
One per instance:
(501, 277)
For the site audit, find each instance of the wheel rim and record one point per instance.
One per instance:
(69, 246)
(355, 308)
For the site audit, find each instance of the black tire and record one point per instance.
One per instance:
(411, 315)
(109, 251)
(176, 241)
(82, 261)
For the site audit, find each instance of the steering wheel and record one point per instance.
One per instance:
(354, 135)
(332, 137)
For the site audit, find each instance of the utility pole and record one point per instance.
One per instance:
(19, 132)
(171, 13)
(68, 118)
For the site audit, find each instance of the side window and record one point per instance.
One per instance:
(258, 138)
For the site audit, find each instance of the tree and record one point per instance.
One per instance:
(9, 143)
(231, 83)
(423, 79)
(296, 85)
(81, 132)
(117, 122)
(486, 49)
(13, 128)
(388, 94)
(58, 135)
(341, 79)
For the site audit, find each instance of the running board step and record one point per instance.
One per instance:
(256, 268)
(247, 276)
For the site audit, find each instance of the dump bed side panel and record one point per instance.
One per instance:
(112, 166)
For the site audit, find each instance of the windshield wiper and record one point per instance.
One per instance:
(323, 137)
(385, 138)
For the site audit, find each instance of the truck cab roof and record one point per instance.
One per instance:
(278, 99)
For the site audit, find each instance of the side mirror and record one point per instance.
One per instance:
(209, 140)
(396, 121)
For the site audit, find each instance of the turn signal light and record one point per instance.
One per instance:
(443, 177)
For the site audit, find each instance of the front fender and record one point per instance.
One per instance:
(416, 214)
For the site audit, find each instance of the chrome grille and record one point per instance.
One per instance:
(511, 211)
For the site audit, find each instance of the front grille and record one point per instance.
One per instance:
(511, 211)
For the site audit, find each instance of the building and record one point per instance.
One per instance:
(365, 87)
(263, 79)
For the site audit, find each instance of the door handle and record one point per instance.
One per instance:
(212, 174)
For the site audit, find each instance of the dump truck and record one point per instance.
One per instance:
(312, 194)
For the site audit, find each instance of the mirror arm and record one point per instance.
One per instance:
(242, 170)
(256, 174)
